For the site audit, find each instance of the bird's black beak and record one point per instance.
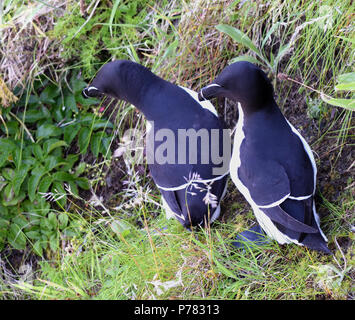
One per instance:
(90, 92)
(209, 92)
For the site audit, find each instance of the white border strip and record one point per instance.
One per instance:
(183, 186)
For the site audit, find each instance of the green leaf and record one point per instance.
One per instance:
(8, 173)
(16, 237)
(54, 242)
(270, 32)
(77, 84)
(83, 183)
(70, 132)
(120, 227)
(280, 54)
(80, 168)
(95, 144)
(49, 93)
(45, 224)
(52, 162)
(73, 188)
(52, 144)
(113, 12)
(3, 182)
(37, 248)
(347, 77)
(34, 179)
(47, 130)
(36, 114)
(245, 58)
(33, 235)
(52, 218)
(37, 151)
(63, 220)
(84, 139)
(345, 86)
(239, 37)
(20, 175)
(69, 102)
(7, 145)
(348, 104)
(43, 186)
(8, 194)
(62, 176)
(69, 162)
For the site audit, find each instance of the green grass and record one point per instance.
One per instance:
(125, 248)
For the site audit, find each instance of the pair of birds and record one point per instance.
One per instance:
(271, 165)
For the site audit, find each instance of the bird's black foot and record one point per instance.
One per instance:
(253, 236)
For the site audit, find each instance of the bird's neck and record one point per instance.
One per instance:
(259, 110)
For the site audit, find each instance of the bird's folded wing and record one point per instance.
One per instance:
(266, 181)
(269, 186)
(277, 214)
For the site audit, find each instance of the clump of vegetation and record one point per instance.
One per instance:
(37, 166)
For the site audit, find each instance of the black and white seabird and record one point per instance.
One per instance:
(191, 190)
(272, 165)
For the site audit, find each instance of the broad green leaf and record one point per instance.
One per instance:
(345, 86)
(33, 235)
(245, 58)
(37, 151)
(54, 242)
(269, 33)
(7, 145)
(239, 37)
(73, 188)
(19, 177)
(45, 224)
(84, 139)
(70, 132)
(52, 218)
(4, 223)
(95, 144)
(280, 54)
(120, 227)
(69, 102)
(83, 183)
(8, 173)
(49, 93)
(3, 182)
(348, 104)
(35, 114)
(63, 220)
(43, 186)
(69, 162)
(52, 144)
(62, 176)
(52, 162)
(16, 237)
(37, 248)
(347, 77)
(34, 179)
(80, 168)
(47, 130)
(8, 194)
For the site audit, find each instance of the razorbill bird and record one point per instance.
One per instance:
(272, 165)
(191, 190)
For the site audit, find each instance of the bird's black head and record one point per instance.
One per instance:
(243, 82)
(107, 81)
(121, 79)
